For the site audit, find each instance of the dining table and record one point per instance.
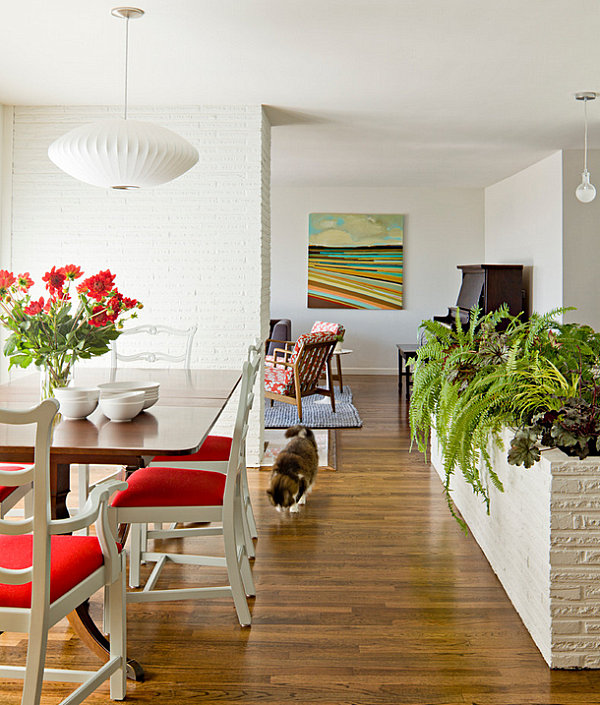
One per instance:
(190, 402)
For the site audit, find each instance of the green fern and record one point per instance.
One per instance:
(469, 383)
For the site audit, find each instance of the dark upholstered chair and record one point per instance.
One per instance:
(280, 331)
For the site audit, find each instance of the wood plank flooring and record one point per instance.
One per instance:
(371, 595)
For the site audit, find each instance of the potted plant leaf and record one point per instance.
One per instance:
(539, 377)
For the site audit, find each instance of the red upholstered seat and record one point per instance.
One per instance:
(278, 380)
(73, 558)
(6, 491)
(172, 487)
(213, 449)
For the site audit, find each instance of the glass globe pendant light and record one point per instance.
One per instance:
(119, 153)
(586, 191)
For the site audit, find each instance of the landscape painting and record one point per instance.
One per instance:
(355, 260)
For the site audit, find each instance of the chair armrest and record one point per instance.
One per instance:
(282, 342)
(99, 496)
(285, 363)
(284, 351)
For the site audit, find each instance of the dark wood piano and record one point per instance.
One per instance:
(490, 286)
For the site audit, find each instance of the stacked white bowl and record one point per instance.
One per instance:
(150, 390)
(122, 407)
(77, 402)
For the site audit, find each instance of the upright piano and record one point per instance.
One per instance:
(489, 286)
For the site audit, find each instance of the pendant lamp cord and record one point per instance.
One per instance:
(127, 64)
(585, 135)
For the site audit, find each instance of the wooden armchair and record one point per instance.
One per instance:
(295, 370)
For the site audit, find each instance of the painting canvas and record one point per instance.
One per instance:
(355, 261)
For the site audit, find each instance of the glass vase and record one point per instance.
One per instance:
(53, 375)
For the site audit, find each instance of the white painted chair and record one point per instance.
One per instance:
(214, 455)
(152, 356)
(184, 337)
(179, 494)
(45, 574)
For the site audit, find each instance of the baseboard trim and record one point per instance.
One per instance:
(370, 370)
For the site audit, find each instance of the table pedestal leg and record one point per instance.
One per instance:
(85, 628)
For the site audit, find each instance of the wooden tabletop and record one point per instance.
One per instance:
(189, 404)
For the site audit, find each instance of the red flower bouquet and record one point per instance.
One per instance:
(68, 325)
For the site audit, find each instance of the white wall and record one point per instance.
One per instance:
(581, 241)
(443, 228)
(195, 250)
(523, 224)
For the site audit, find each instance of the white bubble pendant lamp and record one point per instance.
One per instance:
(121, 153)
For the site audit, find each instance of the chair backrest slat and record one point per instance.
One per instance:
(154, 355)
(16, 528)
(10, 576)
(16, 478)
(310, 355)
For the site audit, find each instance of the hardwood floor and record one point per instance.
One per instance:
(371, 595)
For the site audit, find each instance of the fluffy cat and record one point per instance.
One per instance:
(294, 470)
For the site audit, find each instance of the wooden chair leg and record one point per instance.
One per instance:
(330, 386)
(299, 406)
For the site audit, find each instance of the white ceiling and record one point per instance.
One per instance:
(361, 92)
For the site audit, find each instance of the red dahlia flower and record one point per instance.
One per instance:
(55, 279)
(34, 307)
(24, 281)
(97, 286)
(99, 317)
(72, 271)
(7, 279)
(130, 303)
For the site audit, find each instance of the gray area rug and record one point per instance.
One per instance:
(316, 412)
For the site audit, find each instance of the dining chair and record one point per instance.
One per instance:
(214, 455)
(295, 372)
(153, 336)
(177, 494)
(45, 573)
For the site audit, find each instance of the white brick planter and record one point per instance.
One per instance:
(542, 539)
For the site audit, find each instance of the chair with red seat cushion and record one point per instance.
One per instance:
(296, 375)
(161, 344)
(214, 449)
(214, 455)
(45, 574)
(179, 494)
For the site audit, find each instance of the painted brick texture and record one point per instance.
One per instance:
(195, 250)
(542, 539)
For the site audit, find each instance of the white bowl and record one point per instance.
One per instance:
(76, 402)
(150, 390)
(122, 407)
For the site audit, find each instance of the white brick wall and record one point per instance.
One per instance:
(542, 539)
(195, 250)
